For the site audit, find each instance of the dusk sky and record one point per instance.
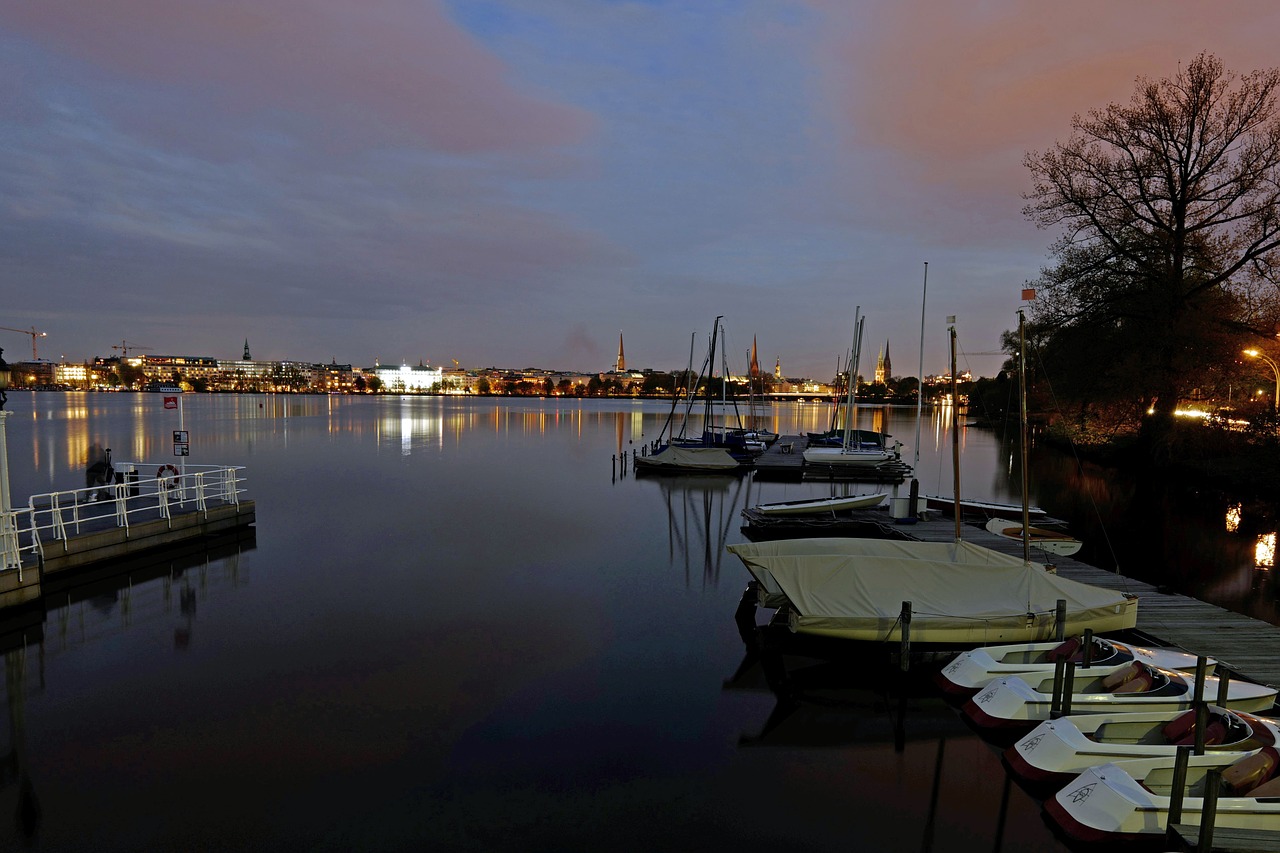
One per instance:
(515, 182)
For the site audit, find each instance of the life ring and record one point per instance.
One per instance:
(170, 480)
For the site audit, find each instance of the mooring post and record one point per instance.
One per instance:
(1224, 686)
(1197, 702)
(905, 651)
(1177, 790)
(1059, 674)
(1068, 687)
(1061, 616)
(1088, 647)
(1209, 813)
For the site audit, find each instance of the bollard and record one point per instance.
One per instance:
(913, 495)
(131, 477)
(1068, 687)
(1061, 616)
(905, 650)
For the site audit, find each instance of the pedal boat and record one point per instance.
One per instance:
(1128, 801)
(1056, 751)
(1015, 704)
(973, 670)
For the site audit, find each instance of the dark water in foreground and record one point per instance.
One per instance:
(457, 630)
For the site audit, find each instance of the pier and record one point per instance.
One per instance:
(60, 533)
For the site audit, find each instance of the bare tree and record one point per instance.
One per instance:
(1170, 210)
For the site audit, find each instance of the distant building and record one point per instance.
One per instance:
(407, 379)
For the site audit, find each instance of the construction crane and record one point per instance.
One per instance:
(34, 334)
(125, 346)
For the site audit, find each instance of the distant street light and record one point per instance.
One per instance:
(1275, 368)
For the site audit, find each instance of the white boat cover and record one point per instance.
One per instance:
(959, 592)
(674, 456)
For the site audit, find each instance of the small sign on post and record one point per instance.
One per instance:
(181, 443)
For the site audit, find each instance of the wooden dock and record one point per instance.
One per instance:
(1245, 646)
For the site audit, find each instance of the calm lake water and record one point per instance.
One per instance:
(460, 628)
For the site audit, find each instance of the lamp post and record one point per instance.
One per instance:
(1275, 368)
(9, 555)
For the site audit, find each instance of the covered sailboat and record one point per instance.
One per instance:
(960, 593)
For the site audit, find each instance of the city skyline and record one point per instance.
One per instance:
(510, 183)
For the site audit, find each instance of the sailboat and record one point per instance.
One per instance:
(716, 449)
(857, 447)
(954, 593)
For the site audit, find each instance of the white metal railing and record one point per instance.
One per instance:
(137, 495)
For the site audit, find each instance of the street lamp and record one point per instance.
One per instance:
(1275, 368)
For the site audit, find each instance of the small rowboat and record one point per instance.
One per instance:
(1056, 751)
(981, 509)
(1048, 541)
(973, 670)
(1127, 801)
(819, 505)
(1017, 704)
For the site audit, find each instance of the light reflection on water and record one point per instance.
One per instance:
(460, 624)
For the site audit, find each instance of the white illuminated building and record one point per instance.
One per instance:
(409, 378)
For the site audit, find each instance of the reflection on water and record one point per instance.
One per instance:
(460, 627)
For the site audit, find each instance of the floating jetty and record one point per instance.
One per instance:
(784, 460)
(61, 533)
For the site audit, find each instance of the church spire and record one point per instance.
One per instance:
(247, 357)
(621, 366)
(754, 370)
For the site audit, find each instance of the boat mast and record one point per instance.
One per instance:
(850, 411)
(708, 419)
(1022, 422)
(955, 427)
(920, 382)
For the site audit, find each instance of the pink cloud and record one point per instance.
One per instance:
(389, 70)
(947, 84)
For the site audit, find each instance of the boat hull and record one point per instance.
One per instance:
(1056, 751)
(1048, 541)
(840, 456)
(822, 505)
(1128, 801)
(971, 671)
(1012, 704)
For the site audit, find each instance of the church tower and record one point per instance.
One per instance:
(247, 357)
(777, 368)
(621, 366)
(754, 370)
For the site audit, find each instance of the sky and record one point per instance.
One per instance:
(516, 183)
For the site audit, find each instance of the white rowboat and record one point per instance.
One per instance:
(973, 670)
